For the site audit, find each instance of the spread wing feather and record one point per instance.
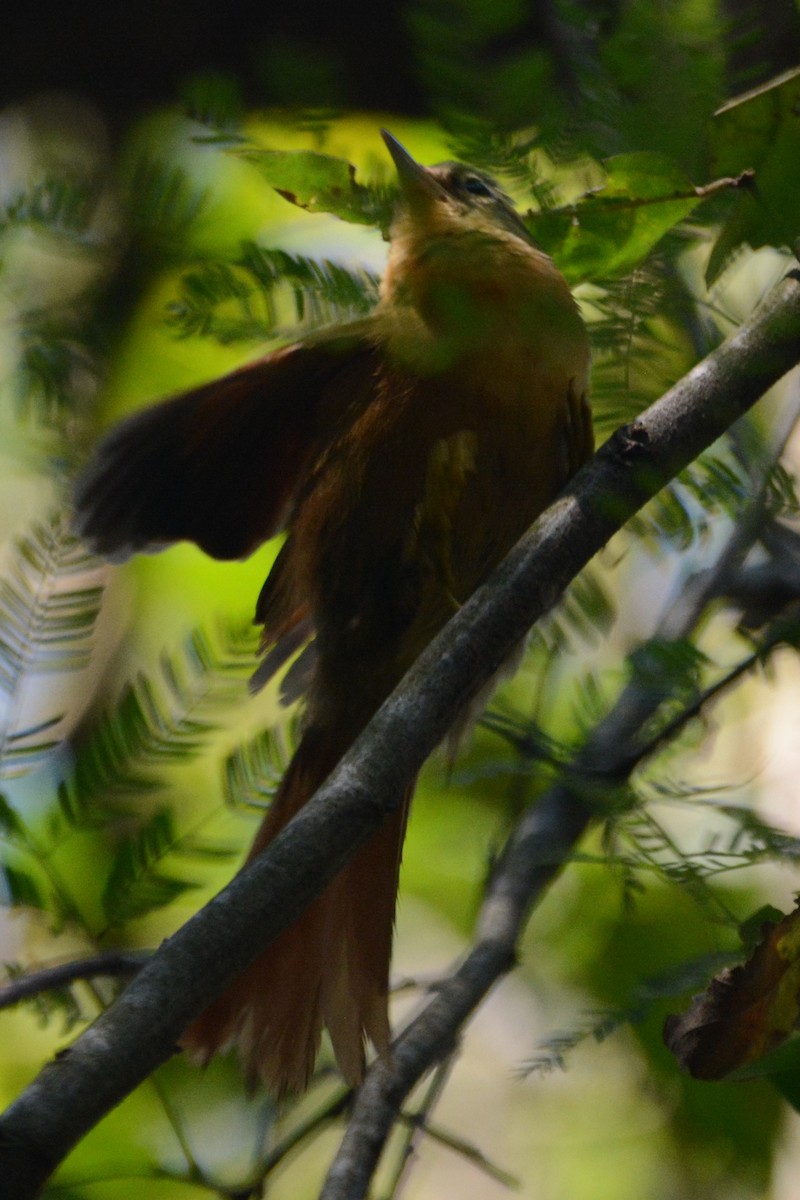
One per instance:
(218, 465)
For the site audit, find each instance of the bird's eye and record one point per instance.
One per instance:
(476, 186)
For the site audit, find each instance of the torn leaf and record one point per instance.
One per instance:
(746, 1011)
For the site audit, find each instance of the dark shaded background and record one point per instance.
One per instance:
(121, 55)
(354, 54)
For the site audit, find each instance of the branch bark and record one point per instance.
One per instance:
(140, 1030)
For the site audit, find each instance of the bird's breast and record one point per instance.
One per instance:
(480, 305)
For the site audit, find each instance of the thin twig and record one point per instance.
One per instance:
(333, 1108)
(714, 690)
(416, 1125)
(470, 1152)
(47, 979)
(595, 199)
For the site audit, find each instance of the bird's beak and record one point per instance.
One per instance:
(417, 186)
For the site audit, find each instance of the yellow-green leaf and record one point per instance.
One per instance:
(319, 183)
(612, 229)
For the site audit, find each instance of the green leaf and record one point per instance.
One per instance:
(610, 230)
(760, 131)
(142, 896)
(22, 888)
(320, 183)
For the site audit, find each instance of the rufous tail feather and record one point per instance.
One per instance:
(330, 968)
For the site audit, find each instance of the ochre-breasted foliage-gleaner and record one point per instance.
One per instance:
(403, 454)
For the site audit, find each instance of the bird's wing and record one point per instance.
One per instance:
(219, 465)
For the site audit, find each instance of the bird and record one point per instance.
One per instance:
(402, 454)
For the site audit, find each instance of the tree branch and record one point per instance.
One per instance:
(33, 983)
(534, 854)
(140, 1030)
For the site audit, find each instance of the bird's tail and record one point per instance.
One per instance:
(330, 969)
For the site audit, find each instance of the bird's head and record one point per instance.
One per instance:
(451, 195)
(465, 278)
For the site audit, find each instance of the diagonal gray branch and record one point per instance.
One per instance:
(140, 1030)
(535, 853)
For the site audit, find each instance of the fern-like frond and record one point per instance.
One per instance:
(236, 301)
(163, 204)
(220, 300)
(60, 206)
(501, 152)
(64, 216)
(159, 720)
(714, 485)
(667, 670)
(781, 492)
(50, 1004)
(744, 837)
(644, 846)
(22, 882)
(632, 362)
(585, 611)
(57, 373)
(644, 998)
(118, 762)
(339, 291)
(136, 885)
(49, 600)
(526, 738)
(45, 618)
(254, 771)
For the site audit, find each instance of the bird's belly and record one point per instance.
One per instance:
(424, 495)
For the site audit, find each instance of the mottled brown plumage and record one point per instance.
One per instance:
(406, 454)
